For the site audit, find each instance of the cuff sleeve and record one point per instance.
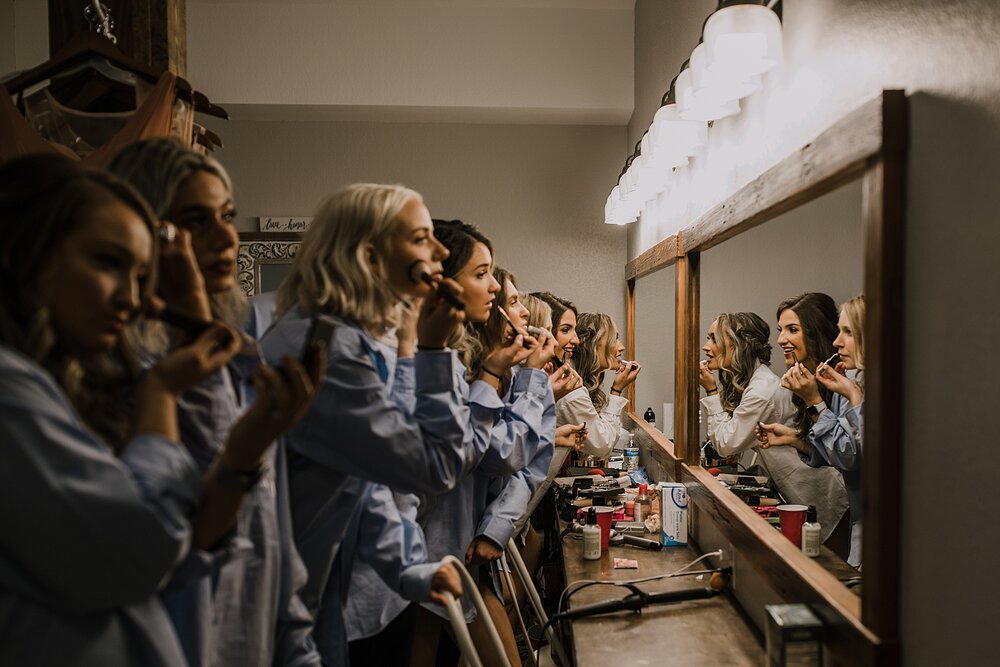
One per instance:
(415, 581)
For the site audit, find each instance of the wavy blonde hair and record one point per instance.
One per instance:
(539, 312)
(334, 271)
(592, 329)
(855, 311)
(748, 336)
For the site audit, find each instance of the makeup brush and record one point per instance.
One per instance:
(832, 357)
(418, 273)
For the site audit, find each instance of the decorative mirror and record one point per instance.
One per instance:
(264, 260)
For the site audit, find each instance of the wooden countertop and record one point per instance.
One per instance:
(698, 632)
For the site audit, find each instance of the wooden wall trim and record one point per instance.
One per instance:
(630, 336)
(785, 568)
(686, 358)
(661, 255)
(884, 202)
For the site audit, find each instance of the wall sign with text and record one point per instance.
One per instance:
(273, 224)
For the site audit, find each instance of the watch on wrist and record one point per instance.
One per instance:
(815, 410)
(236, 480)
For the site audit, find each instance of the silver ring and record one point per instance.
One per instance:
(168, 233)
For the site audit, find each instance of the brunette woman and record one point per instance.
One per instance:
(737, 347)
(835, 436)
(78, 256)
(807, 326)
(247, 613)
(512, 412)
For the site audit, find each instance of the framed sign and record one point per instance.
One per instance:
(264, 259)
(273, 224)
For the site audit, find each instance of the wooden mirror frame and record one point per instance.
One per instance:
(260, 248)
(869, 144)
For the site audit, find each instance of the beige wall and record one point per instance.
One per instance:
(562, 61)
(532, 189)
(840, 53)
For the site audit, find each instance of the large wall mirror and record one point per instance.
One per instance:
(827, 220)
(654, 345)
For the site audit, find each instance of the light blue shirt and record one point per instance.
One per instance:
(836, 441)
(86, 538)
(357, 442)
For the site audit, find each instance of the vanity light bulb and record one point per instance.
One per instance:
(743, 40)
(719, 86)
(674, 138)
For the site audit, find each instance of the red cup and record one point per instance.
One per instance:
(604, 522)
(792, 517)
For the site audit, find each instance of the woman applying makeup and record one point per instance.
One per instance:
(78, 255)
(363, 440)
(243, 610)
(599, 350)
(807, 326)
(511, 412)
(737, 347)
(834, 439)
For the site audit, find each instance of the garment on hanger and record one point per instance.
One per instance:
(75, 133)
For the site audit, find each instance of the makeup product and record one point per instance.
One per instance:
(649, 416)
(319, 335)
(624, 365)
(195, 326)
(591, 537)
(512, 326)
(419, 273)
(811, 534)
(794, 636)
(832, 357)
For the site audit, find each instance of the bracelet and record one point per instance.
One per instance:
(489, 372)
(616, 392)
(425, 348)
(709, 392)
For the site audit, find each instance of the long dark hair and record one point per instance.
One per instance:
(460, 238)
(491, 334)
(817, 313)
(558, 306)
(43, 199)
(747, 334)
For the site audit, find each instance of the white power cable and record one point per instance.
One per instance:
(469, 585)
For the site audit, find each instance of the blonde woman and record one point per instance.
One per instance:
(598, 351)
(361, 441)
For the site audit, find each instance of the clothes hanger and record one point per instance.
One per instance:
(81, 50)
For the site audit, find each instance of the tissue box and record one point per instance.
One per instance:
(673, 514)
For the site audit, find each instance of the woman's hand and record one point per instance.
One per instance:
(482, 550)
(563, 381)
(776, 435)
(502, 359)
(185, 366)
(445, 579)
(406, 332)
(571, 436)
(802, 383)
(438, 318)
(625, 376)
(283, 397)
(837, 380)
(543, 351)
(705, 377)
(180, 283)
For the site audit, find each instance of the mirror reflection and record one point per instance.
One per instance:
(654, 347)
(780, 410)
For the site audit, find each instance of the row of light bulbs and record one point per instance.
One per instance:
(741, 41)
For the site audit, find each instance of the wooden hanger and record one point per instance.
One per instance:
(88, 45)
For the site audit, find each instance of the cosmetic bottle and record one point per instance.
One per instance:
(811, 534)
(591, 537)
(649, 416)
(643, 504)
